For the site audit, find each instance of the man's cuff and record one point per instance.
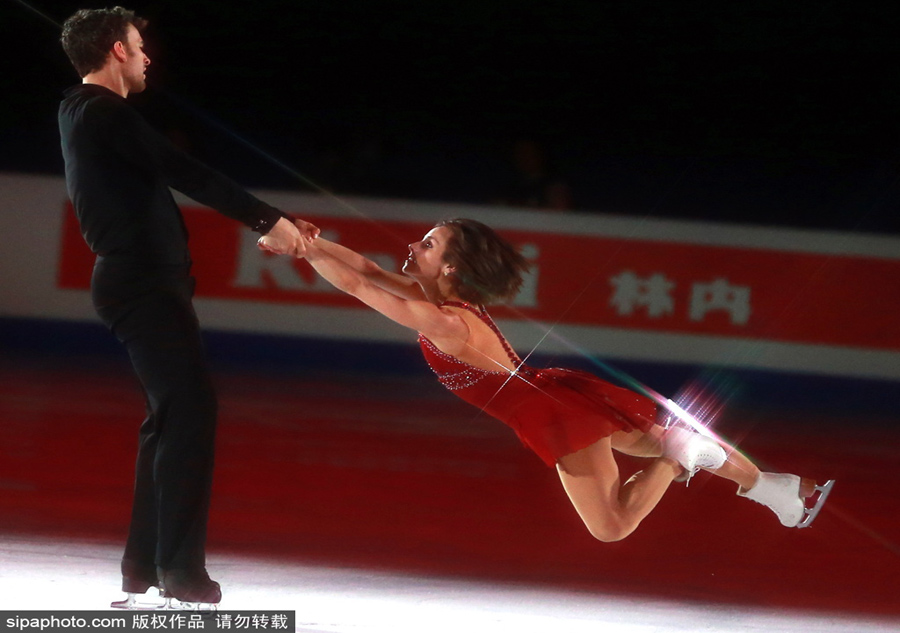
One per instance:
(268, 219)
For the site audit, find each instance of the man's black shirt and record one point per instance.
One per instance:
(118, 174)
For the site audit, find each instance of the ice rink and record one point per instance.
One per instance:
(380, 504)
(76, 575)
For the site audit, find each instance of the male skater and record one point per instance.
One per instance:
(118, 173)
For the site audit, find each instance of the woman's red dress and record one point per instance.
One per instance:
(554, 411)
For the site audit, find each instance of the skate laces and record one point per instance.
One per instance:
(692, 451)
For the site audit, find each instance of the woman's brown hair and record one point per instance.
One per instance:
(487, 268)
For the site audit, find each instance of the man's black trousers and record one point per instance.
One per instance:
(151, 313)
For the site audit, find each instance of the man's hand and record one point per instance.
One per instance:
(285, 239)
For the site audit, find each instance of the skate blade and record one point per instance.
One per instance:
(133, 604)
(811, 513)
(174, 604)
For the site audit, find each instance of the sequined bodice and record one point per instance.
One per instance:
(456, 374)
(497, 392)
(554, 411)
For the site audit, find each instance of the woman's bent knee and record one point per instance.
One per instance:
(609, 532)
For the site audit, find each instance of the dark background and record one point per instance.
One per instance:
(780, 113)
(757, 112)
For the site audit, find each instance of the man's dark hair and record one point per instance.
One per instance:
(488, 268)
(89, 35)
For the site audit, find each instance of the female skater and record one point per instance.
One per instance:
(571, 419)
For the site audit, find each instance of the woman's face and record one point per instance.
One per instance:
(426, 257)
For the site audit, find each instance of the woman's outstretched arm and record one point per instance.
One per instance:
(414, 313)
(395, 283)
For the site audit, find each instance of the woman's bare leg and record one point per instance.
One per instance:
(610, 509)
(784, 494)
(737, 467)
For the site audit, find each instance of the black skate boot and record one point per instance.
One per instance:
(192, 588)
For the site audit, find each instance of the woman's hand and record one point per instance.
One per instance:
(307, 229)
(288, 238)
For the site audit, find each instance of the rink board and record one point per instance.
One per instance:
(601, 286)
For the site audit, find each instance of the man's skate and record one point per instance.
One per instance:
(795, 501)
(190, 590)
(180, 590)
(693, 451)
(137, 581)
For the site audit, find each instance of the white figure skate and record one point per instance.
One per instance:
(693, 451)
(787, 495)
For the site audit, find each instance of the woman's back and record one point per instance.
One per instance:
(484, 347)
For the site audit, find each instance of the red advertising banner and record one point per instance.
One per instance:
(590, 280)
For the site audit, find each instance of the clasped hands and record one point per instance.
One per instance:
(288, 238)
